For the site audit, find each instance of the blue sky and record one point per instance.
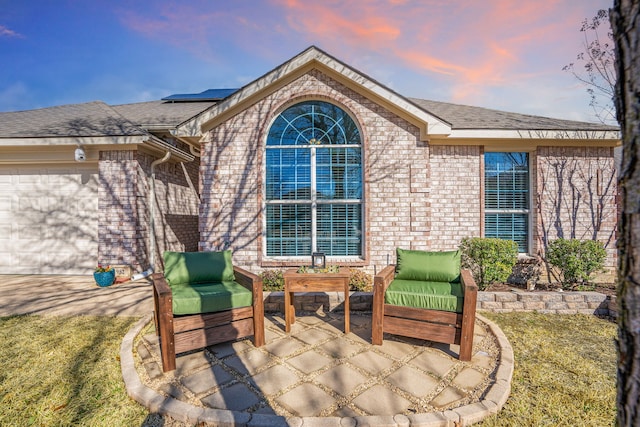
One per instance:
(502, 54)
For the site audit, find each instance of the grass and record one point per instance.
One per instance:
(565, 371)
(65, 371)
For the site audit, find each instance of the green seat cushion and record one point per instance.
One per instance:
(191, 268)
(426, 294)
(428, 266)
(210, 297)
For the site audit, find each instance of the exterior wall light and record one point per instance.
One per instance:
(80, 155)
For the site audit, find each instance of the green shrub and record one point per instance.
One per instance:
(576, 259)
(490, 260)
(272, 280)
(360, 281)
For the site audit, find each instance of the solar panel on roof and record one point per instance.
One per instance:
(207, 95)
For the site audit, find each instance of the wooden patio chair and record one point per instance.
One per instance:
(202, 300)
(426, 296)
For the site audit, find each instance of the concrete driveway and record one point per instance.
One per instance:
(72, 295)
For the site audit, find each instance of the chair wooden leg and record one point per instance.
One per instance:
(258, 334)
(466, 345)
(258, 315)
(164, 318)
(258, 330)
(167, 345)
(377, 316)
(468, 321)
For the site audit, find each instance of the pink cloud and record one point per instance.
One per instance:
(350, 22)
(8, 32)
(470, 46)
(430, 63)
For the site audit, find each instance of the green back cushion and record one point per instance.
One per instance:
(428, 266)
(191, 268)
(203, 282)
(209, 298)
(428, 295)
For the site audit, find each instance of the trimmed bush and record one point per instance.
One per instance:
(576, 259)
(272, 280)
(490, 260)
(360, 281)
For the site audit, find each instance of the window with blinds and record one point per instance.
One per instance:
(313, 182)
(506, 197)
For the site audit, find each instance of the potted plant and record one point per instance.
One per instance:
(104, 275)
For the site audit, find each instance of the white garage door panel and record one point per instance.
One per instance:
(48, 219)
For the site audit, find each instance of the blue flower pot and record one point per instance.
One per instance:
(105, 278)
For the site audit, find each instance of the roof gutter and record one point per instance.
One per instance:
(178, 154)
(193, 150)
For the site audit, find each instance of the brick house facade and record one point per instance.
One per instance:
(425, 175)
(124, 208)
(419, 191)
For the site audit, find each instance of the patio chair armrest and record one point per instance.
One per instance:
(247, 279)
(384, 277)
(381, 282)
(468, 282)
(160, 286)
(253, 282)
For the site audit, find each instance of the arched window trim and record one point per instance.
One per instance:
(328, 217)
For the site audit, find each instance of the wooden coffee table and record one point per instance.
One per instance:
(314, 282)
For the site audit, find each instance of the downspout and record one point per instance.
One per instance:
(152, 209)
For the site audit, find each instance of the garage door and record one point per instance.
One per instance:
(48, 219)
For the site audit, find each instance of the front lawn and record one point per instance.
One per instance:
(64, 371)
(565, 370)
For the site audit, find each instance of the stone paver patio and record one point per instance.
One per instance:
(314, 376)
(317, 374)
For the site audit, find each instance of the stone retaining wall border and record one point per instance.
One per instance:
(593, 303)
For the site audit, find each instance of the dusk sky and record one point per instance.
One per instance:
(501, 54)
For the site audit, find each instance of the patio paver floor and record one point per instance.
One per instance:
(318, 371)
(228, 384)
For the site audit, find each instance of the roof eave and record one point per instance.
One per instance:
(529, 140)
(151, 141)
(538, 134)
(72, 140)
(297, 66)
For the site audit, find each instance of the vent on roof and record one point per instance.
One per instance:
(207, 95)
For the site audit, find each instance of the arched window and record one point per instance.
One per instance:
(313, 183)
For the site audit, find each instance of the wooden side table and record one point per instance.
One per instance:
(314, 282)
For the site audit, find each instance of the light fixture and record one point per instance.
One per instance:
(318, 260)
(80, 155)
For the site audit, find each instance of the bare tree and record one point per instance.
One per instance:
(625, 22)
(594, 67)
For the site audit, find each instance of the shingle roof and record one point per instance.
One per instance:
(90, 119)
(96, 118)
(99, 119)
(155, 114)
(469, 117)
(432, 117)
